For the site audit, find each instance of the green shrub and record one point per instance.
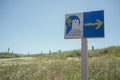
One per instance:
(75, 53)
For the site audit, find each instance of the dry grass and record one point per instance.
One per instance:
(103, 64)
(100, 68)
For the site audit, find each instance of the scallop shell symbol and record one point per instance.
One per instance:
(69, 21)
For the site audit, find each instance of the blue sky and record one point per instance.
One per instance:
(38, 25)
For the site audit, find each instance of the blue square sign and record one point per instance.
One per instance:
(84, 25)
(93, 24)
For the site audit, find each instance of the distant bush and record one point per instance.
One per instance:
(114, 50)
(97, 53)
(74, 53)
(8, 55)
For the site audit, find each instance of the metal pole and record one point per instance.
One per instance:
(84, 61)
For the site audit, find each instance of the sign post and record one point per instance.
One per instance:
(82, 26)
(84, 60)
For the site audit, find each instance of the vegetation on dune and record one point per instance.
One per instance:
(113, 51)
(103, 64)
